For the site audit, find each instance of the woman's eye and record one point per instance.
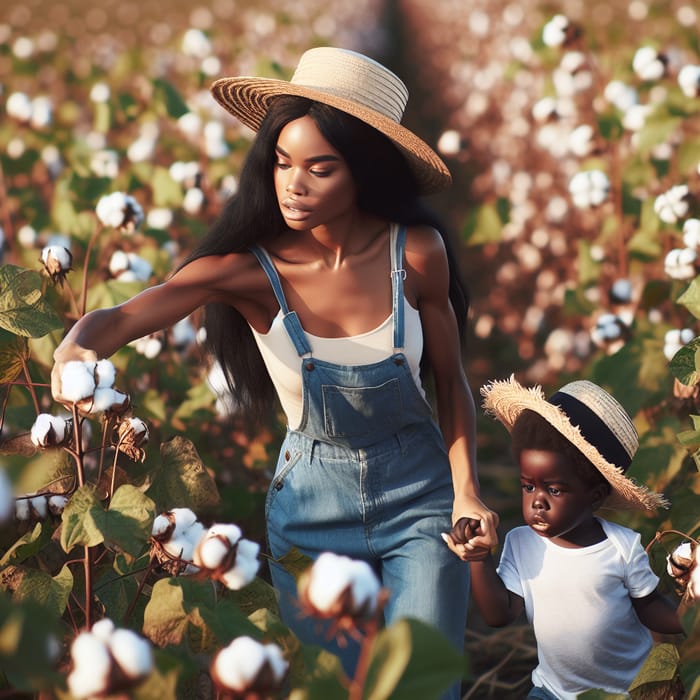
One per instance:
(281, 166)
(321, 173)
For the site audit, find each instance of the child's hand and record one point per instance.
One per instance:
(458, 539)
(471, 538)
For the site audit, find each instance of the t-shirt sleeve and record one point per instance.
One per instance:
(508, 567)
(640, 578)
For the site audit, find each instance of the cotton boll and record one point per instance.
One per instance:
(132, 653)
(57, 504)
(228, 530)
(161, 524)
(238, 664)
(40, 506)
(103, 629)
(77, 380)
(245, 568)
(41, 429)
(211, 553)
(19, 106)
(92, 664)
(106, 374)
(689, 80)
(22, 510)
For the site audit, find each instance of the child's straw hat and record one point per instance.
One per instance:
(350, 82)
(592, 420)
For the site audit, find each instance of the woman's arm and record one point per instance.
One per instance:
(428, 273)
(102, 332)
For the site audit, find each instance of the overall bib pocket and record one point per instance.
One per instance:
(356, 412)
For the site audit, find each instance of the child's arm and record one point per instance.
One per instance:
(657, 613)
(497, 605)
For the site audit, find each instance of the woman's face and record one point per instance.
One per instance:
(313, 183)
(556, 502)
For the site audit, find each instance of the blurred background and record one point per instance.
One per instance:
(113, 95)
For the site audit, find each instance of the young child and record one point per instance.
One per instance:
(585, 583)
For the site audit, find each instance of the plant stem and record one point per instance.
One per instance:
(357, 684)
(30, 386)
(77, 436)
(88, 588)
(83, 297)
(142, 583)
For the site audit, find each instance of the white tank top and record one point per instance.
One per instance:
(284, 364)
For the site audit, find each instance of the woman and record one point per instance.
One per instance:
(325, 284)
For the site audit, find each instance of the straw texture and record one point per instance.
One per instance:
(506, 399)
(347, 81)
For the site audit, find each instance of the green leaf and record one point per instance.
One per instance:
(485, 225)
(167, 93)
(127, 524)
(660, 665)
(691, 298)
(14, 353)
(83, 520)
(173, 615)
(25, 654)
(129, 520)
(181, 481)
(23, 309)
(28, 545)
(684, 364)
(412, 661)
(112, 292)
(51, 593)
(166, 191)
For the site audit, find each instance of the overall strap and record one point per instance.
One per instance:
(398, 275)
(290, 319)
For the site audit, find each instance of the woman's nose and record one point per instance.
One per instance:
(294, 184)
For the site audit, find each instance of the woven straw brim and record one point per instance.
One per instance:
(505, 400)
(249, 99)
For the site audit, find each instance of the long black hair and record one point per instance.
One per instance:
(386, 187)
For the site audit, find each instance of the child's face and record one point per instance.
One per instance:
(556, 502)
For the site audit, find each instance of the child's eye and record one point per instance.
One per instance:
(554, 491)
(528, 488)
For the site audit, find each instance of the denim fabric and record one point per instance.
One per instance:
(367, 475)
(538, 693)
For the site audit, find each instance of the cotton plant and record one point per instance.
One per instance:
(90, 387)
(673, 205)
(107, 659)
(57, 261)
(248, 668)
(182, 545)
(589, 188)
(675, 339)
(120, 211)
(682, 567)
(341, 589)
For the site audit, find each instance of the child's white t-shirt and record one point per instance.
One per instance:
(578, 602)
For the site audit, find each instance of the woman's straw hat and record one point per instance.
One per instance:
(592, 420)
(350, 82)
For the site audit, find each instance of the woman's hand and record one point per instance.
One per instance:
(473, 533)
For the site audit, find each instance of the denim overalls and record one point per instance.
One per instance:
(366, 475)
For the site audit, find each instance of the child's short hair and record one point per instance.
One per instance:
(533, 432)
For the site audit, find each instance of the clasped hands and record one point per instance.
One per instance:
(473, 536)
